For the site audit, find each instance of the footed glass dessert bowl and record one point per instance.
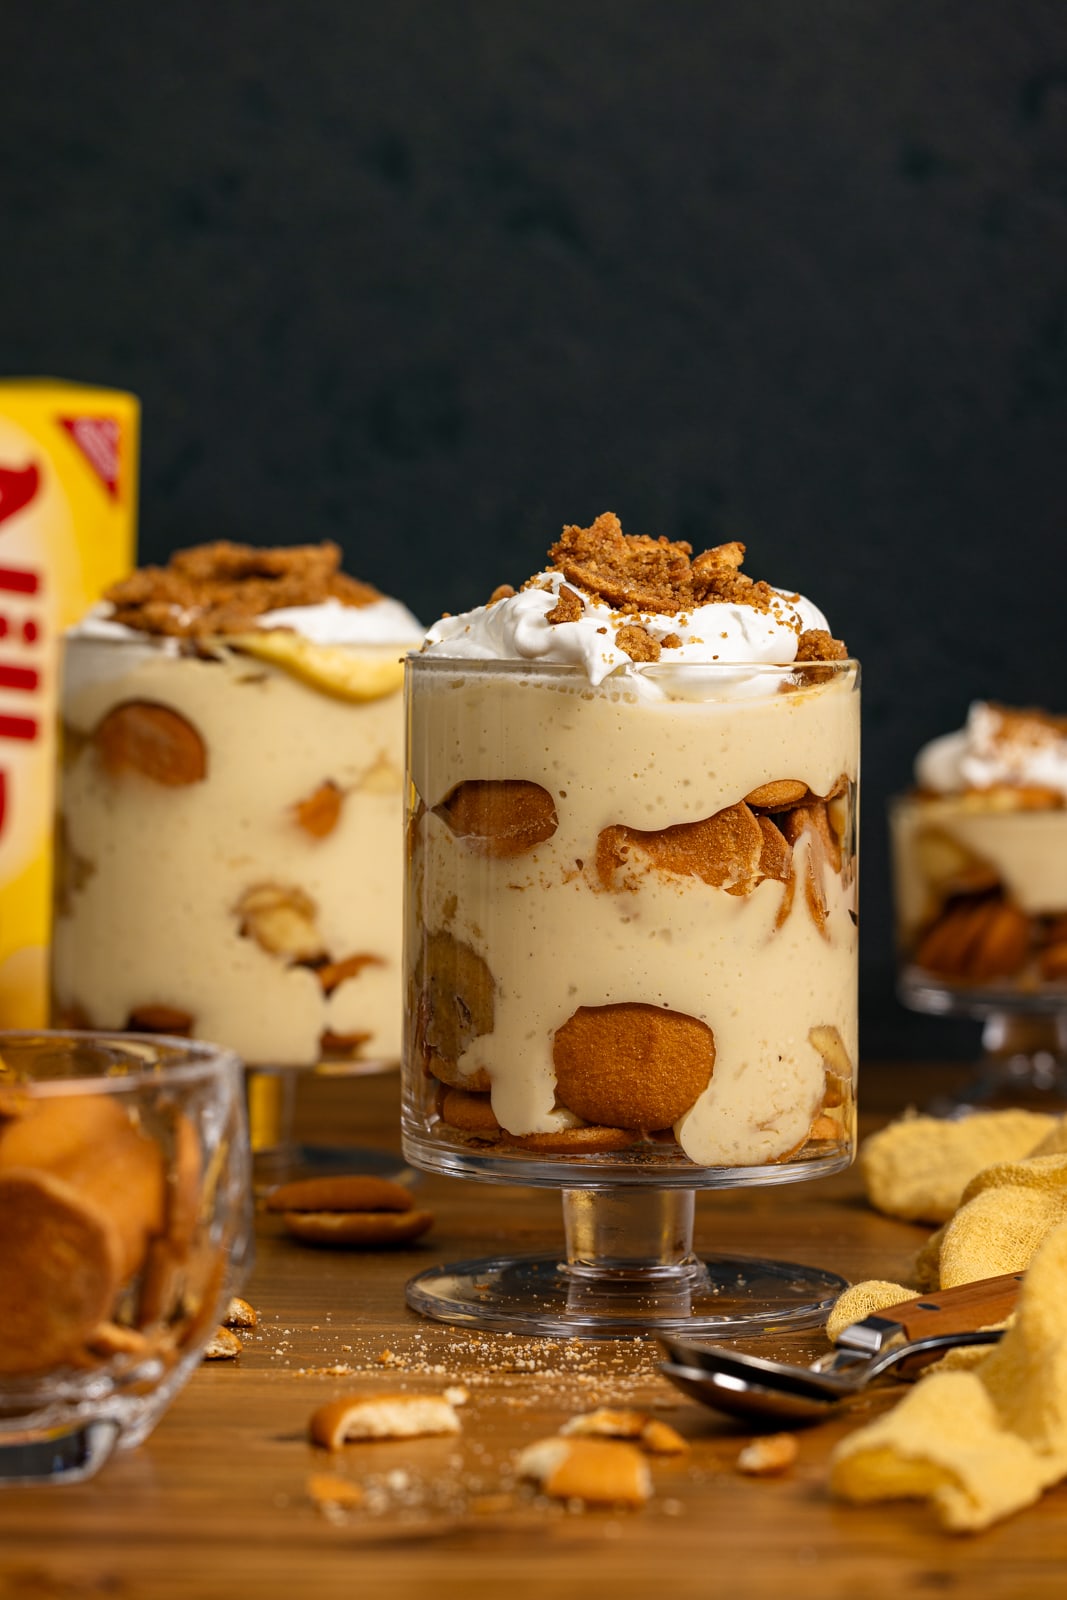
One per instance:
(631, 963)
(126, 1205)
(980, 891)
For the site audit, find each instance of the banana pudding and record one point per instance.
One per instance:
(229, 860)
(631, 920)
(980, 854)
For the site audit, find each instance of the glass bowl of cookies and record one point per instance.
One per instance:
(631, 925)
(125, 1198)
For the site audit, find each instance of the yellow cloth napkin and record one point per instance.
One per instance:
(1004, 1212)
(1055, 1141)
(917, 1168)
(983, 1443)
(1004, 1215)
(863, 1300)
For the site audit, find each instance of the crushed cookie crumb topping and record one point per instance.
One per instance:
(815, 644)
(638, 577)
(631, 572)
(215, 589)
(1024, 725)
(638, 643)
(607, 602)
(568, 607)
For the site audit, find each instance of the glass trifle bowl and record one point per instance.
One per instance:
(980, 892)
(229, 855)
(630, 930)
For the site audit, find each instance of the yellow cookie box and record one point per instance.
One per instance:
(68, 521)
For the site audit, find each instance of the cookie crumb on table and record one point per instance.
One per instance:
(767, 1456)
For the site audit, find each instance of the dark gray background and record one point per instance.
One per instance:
(433, 277)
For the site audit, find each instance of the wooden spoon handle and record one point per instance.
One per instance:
(960, 1310)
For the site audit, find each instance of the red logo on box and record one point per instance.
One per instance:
(98, 439)
(18, 485)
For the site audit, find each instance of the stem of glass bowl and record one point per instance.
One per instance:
(627, 1268)
(278, 1154)
(1024, 1042)
(630, 1233)
(1025, 1058)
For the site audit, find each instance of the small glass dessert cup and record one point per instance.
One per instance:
(631, 957)
(980, 892)
(229, 850)
(125, 1194)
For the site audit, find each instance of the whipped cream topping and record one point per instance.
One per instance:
(384, 621)
(517, 629)
(1019, 749)
(329, 622)
(99, 623)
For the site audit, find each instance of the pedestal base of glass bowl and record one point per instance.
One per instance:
(628, 1268)
(1024, 1043)
(278, 1156)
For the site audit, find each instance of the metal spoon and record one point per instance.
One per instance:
(901, 1338)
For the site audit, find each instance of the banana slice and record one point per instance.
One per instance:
(333, 669)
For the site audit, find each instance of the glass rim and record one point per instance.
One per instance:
(196, 1060)
(422, 660)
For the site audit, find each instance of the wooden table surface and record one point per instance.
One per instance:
(216, 1503)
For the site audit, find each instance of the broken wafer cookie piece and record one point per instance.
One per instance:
(222, 1346)
(657, 1438)
(598, 1471)
(239, 1314)
(328, 1490)
(381, 1416)
(767, 1456)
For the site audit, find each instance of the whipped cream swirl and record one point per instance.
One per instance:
(328, 622)
(996, 747)
(718, 634)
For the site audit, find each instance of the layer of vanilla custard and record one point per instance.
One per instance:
(154, 920)
(554, 940)
(1027, 849)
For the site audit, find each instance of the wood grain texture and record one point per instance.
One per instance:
(216, 1503)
